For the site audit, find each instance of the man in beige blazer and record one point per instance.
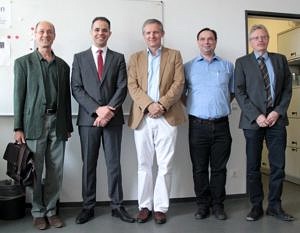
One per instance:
(155, 83)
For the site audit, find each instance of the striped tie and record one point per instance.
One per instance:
(265, 74)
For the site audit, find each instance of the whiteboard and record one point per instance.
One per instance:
(72, 20)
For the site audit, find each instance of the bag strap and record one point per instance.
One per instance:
(20, 158)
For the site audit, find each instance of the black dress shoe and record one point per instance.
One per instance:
(280, 214)
(202, 212)
(122, 214)
(256, 213)
(219, 213)
(84, 216)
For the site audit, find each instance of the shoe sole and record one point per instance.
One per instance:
(282, 219)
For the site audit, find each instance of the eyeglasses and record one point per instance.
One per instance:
(257, 38)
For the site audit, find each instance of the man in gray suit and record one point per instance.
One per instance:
(42, 117)
(99, 86)
(263, 89)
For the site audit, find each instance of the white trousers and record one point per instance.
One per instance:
(154, 137)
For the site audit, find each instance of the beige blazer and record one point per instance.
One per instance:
(170, 87)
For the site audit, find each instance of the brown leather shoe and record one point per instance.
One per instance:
(40, 223)
(160, 217)
(55, 221)
(143, 215)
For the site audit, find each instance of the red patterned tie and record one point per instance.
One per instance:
(100, 63)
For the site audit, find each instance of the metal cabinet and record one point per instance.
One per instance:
(292, 161)
(288, 44)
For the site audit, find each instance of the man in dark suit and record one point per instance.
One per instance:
(42, 118)
(99, 86)
(263, 89)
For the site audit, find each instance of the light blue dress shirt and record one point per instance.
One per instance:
(153, 75)
(270, 72)
(208, 87)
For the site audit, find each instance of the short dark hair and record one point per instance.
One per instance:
(207, 29)
(153, 21)
(101, 18)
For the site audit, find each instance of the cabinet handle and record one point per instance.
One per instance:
(294, 149)
(293, 142)
(294, 113)
(293, 54)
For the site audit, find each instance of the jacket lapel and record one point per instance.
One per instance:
(163, 62)
(37, 69)
(91, 63)
(144, 67)
(108, 61)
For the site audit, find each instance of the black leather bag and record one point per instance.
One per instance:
(20, 165)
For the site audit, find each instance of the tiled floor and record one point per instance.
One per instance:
(180, 219)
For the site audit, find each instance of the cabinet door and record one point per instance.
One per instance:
(288, 43)
(294, 108)
(292, 159)
(293, 133)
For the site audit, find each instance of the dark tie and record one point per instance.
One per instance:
(100, 63)
(265, 74)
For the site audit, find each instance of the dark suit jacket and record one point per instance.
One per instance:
(30, 100)
(91, 93)
(250, 89)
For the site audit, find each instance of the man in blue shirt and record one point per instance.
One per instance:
(209, 91)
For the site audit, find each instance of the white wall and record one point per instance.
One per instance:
(182, 20)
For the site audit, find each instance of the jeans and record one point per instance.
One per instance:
(275, 138)
(210, 146)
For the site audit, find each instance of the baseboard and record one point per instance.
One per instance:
(135, 202)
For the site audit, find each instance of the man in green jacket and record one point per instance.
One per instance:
(42, 119)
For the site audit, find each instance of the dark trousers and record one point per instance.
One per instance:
(210, 145)
(90, 138)
(275, 138)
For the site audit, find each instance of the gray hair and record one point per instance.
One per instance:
(153, 21)
(47, 22)
(257, 27)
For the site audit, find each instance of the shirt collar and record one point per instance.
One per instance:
(201, 58)
(41, 57)
(265, 55)
(95, 49)
(158, 52)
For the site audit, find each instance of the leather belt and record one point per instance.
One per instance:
(50, 111)
(209, 121)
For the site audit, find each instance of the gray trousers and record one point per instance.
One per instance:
(48, 150)
(90, 138)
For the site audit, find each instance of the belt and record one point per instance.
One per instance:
(50, 111)
(209, 121)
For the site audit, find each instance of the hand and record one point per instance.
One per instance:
(19, 137)
(261, 120)
(272, 118)
(105, 112)
(155, 110)
(69, 134)
(100, 122)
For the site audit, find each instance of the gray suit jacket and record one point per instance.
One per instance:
(30, 100)
(91, 93)
(250, 89)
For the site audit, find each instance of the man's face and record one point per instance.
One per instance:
(152, 35)
(259, 41)
(44, 35)
(100, 33)
(207, 43)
